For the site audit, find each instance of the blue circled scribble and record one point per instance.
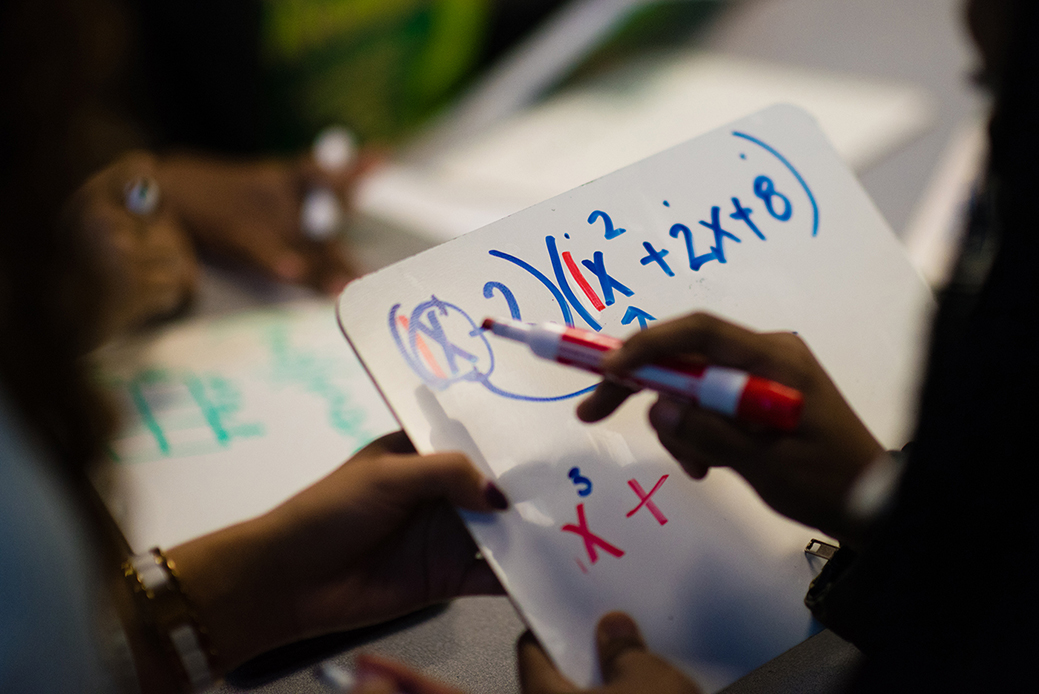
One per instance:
(443, 346)
(783, 160)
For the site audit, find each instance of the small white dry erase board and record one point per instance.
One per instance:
(759, 222)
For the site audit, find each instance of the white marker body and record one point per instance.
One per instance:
(715, 388)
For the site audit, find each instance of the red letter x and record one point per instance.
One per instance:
(590, 539)
(646, 501)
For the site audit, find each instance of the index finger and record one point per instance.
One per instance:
(606, 398)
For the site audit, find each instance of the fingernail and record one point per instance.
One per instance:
(617, 626)
(495, 497)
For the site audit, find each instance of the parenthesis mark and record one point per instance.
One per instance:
(800, 179)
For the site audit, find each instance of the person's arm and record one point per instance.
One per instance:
(806, 474)
(251, 210)
(376, 539)
(145, 257)
(144, 215)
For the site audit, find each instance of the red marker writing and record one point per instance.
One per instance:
(731, 392)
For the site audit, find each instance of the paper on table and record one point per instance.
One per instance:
(224, 418)
(587, 132)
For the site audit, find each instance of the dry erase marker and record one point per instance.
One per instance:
(321, 214)
(731, 392)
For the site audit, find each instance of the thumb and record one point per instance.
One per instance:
(628, 666)
(618, 639)
(449, 475)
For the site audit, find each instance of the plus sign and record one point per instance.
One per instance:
(644, 499)
(655, 256)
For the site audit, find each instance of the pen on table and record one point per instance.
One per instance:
(321, 213)
(728, 391)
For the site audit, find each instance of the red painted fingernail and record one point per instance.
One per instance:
(495, 497)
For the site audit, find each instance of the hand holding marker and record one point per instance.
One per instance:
(730, 392)
(321, 214)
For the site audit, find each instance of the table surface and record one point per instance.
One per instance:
(471, 642)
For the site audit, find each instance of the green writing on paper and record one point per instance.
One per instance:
(182, 413)
(316, 375)
(275, 375)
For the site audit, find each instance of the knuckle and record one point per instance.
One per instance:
(708, 324)
(704, 320)
(639, 342)
(790, 342)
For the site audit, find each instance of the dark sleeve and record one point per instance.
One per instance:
(828, 595)
(943, 596)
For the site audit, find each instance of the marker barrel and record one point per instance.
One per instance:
(731, 392)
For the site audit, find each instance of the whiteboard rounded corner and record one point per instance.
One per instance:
(792, 112)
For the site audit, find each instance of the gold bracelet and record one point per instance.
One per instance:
(157, 590)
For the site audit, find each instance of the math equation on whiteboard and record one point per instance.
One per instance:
(443, 344)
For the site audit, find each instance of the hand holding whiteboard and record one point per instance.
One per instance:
(759, 222)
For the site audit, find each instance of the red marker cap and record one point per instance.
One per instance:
(770, 403)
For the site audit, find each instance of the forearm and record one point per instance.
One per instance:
(244, 603)
(242, 611)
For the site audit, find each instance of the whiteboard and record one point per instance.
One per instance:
(758, 221)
